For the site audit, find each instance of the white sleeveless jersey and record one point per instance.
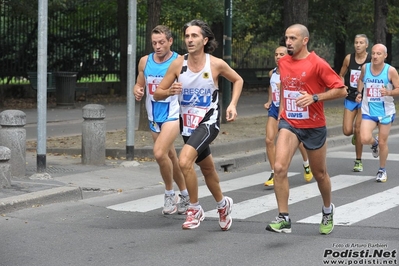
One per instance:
(274, 80)
(373, 103)
(165, 110)
(199, 100)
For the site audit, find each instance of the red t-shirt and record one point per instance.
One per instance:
(313, 75)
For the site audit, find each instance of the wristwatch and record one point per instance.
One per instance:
(315, 98)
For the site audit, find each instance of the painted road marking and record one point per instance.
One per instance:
(361, 209)
(154, 202)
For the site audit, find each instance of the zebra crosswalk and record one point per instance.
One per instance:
(361, 209)
(152, 203)
(346, 214)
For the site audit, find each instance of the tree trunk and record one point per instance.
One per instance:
(389, 48)
(154, 13)
(340, 35)
(380, 21)
(295, 11)
(122, 29)
(340, 54)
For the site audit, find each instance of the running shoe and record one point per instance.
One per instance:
(353, 139)
(327, 221)
(358, 166)
(270, 181)
(381, 176)
(183, 204)
(307, 175)
(280, 225)
(194, 218)
(170, 204)
(374, 149)
(225, 219)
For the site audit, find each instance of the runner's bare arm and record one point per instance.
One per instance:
(138, 88)
(167, 87)
(345, 66)
(269, 101)
(334, 93)
(394, 78)
(230, 74)
(360, 85)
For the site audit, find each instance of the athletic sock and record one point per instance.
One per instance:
(222, 203)
(169, 192)
(195, 205)
(285, 215)
(327, 210)
(184, 193)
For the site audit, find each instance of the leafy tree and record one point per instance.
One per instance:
(257, 30)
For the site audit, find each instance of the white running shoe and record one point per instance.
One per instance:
(225, 219)
(194, 218)
(183, 204)
(381, 176)
(375, 151)
(170, 206)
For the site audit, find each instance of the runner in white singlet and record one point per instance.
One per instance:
(197, 77)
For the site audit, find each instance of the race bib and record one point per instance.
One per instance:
(275, 95)
(292, 111)
(354, 78)
(192, 117)
(153, 83)
(373, 92)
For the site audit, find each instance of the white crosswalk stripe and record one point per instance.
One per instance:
(365, 156)
(361, 209)
(346, 214)
(152, 203)
(252, 207)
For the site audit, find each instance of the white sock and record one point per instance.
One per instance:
(195, 206)
(222, 203)
(306, 163)
(169, 192)
(327, 210)
(184, 193)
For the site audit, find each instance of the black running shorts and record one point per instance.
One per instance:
(200, 139)
(312, 138)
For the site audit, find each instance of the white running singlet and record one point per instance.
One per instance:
(199, 100)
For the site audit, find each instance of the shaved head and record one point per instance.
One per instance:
(380, 47)
(296, 40)
(302, 29)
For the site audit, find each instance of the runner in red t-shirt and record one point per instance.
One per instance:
(304, 79)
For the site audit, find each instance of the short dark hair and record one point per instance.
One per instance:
(162, 29)
(206, 31)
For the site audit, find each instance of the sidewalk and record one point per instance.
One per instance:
(70, 180)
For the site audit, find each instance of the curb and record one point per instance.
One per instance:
(220, 149)
(33, 199)
(227, 157)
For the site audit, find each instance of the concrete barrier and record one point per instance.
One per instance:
(93, 134)
(5, 169)
(13, 136)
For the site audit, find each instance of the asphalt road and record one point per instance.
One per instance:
(129, 229)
